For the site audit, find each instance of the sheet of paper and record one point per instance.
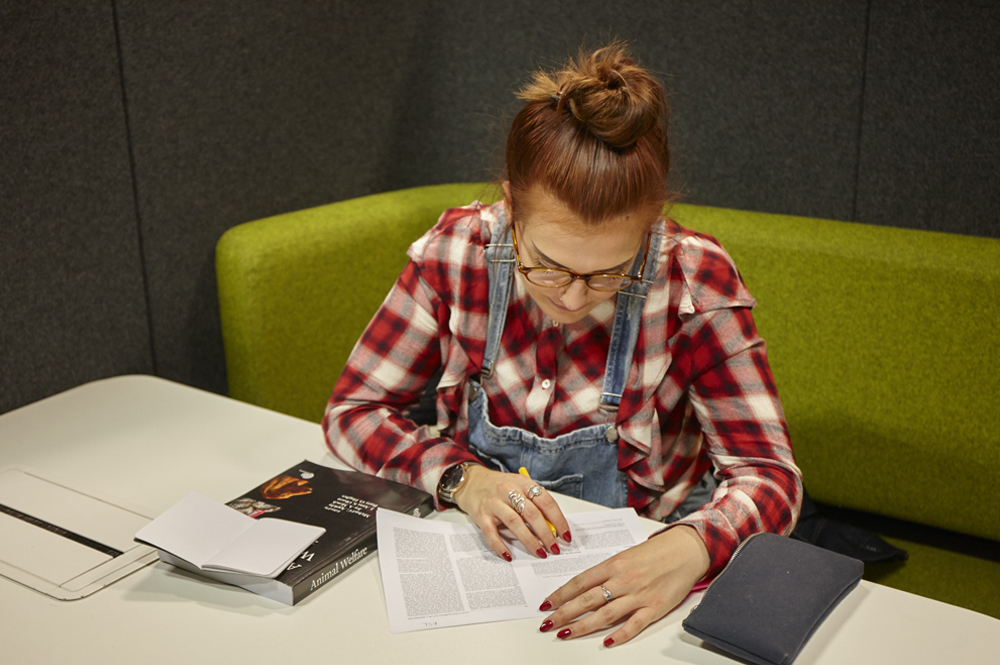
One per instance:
(195, 528)
(265, 549)
(438, 574)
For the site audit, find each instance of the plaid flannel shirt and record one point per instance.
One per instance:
(699, 393)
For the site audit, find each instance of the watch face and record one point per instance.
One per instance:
(452, 478)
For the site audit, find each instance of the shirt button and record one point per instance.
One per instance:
(545, 384)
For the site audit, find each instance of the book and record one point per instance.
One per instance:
(342, 502)
(213, 537)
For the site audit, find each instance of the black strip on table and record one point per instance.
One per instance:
(58, 530)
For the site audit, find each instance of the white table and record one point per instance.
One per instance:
(149, 442)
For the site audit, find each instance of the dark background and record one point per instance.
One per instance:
(134, 133)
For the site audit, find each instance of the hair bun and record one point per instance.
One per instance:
(594, 134)
(612, 96)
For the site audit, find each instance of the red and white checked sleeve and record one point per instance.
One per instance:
(735, 400)
(365, 424)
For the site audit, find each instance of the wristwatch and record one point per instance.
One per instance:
(452, 480)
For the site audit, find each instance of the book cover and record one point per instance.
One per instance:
(342, 502)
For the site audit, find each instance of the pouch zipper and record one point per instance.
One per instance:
(739, 548)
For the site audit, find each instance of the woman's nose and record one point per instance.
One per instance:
(575, 295)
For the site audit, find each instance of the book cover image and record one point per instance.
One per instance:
(343, 502)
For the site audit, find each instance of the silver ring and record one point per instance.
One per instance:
(607, 594)
(516, 501)
(534, 491)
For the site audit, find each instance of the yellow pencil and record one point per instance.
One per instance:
(524, 472)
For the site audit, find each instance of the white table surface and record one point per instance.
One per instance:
(149, 442)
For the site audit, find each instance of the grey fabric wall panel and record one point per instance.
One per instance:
(72, 305)
(767, 99)
(241, 110)
(237, 109)
(244, 109)
(767, 96)
(930, 156)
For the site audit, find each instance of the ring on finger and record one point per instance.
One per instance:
(607, 594)
(534, 491)
(516, 501)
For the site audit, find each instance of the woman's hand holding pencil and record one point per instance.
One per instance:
(492, 498)
(532, 493)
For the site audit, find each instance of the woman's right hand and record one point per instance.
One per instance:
(485, 498)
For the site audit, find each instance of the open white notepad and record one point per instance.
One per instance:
(213, 536)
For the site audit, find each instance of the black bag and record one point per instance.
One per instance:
(842, 538)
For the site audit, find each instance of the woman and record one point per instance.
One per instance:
(577, 333)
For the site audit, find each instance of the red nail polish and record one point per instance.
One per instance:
(555, 548)
(545, 607)
(568, 538)
(541, 553)
(506, 556)
(608, 642)
(564, 633)
(545, 626)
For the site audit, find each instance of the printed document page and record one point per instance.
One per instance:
(438, 574)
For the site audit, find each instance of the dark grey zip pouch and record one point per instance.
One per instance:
(771, 597)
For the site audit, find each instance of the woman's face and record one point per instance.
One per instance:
(550, 235)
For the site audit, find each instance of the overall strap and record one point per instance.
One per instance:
(500, 266)
(628, 317)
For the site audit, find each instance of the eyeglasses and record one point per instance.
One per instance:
(598, 281)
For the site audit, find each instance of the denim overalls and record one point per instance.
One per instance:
(582, 463)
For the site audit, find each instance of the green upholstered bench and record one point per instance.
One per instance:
(883, 342)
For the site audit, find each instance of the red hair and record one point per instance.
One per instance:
(594, 135)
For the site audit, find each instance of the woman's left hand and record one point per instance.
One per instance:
(646, 582)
